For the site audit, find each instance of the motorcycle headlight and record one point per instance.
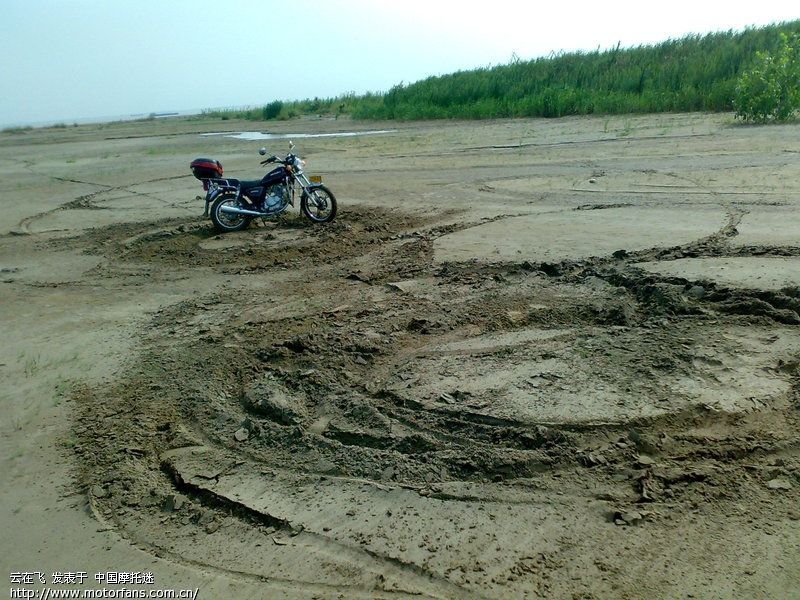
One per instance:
(299, 164)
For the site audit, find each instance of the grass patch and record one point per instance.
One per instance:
(17, 130)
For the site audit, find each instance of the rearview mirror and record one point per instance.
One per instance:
(291, 145)
(263, 151)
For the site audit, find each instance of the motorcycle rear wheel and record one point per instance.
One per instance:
(226, 222)
(320, 206)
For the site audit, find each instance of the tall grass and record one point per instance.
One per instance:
(694, 73)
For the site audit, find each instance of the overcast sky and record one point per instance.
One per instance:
(74, 59)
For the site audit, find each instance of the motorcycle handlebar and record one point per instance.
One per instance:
(274, 158)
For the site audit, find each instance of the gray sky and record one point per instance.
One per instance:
(74, 59)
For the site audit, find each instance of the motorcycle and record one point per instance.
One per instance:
(232, 204)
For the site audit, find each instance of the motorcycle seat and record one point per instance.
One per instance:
(249, 185)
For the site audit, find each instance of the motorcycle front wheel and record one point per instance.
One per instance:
(318, 204)
(227, 222)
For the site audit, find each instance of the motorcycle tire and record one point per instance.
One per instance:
(225, 222)
(321, 208)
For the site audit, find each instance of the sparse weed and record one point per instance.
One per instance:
(32, 365)
(626, 129)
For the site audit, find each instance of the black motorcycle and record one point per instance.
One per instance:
(234, 203)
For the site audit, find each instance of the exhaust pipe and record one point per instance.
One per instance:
(241, 211)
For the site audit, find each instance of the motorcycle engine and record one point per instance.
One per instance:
(276, 198)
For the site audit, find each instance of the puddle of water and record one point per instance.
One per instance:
(257, 135)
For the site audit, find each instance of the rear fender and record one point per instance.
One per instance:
(216, 192)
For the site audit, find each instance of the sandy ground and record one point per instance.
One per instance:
(530, 358)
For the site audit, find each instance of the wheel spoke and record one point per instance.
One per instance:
(319, 204)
